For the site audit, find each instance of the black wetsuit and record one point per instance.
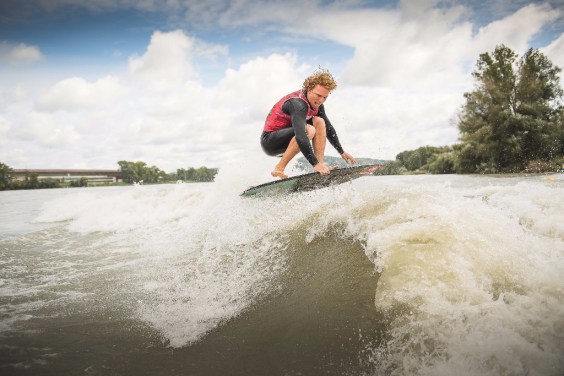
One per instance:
(276, 142)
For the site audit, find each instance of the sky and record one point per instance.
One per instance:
(178, 84)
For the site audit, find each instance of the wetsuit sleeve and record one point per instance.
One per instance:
(331, 132)
(297, 109)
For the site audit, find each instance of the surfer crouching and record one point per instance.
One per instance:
(298, 118)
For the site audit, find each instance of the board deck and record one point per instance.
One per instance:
(311, 181)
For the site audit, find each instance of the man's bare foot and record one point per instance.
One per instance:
(279, 174)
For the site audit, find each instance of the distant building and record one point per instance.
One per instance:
(94, 176)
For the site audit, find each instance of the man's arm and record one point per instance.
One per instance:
(332, 136)
(331, 132)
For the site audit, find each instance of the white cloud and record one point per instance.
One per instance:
(168, 61)
(20, 53)
(381, 122)
(244, 97)
(516, 30)
(207, 124)
(11, 95)
(555, 52)
(47, 130)
(197, 125)
(258, 83)
(76, 93)
(4, 129)
(418, 45)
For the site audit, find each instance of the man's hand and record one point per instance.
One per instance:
(322, 169)
(348, 158)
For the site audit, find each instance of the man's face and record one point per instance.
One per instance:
(317, 96)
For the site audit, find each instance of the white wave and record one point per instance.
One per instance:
(466, 283)
(470, 267)
(539, 207)
(203, 254)
(122, 210)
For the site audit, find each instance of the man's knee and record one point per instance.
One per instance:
(310, 130)
(318, 123)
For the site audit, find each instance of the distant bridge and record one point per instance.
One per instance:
(93, 176)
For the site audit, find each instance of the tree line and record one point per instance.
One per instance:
(132, 172)
(513, 121)
(136, 172)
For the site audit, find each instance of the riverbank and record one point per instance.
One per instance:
(51, 185)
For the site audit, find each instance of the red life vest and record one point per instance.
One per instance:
(277, 119)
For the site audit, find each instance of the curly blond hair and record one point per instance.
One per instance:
(320, 77)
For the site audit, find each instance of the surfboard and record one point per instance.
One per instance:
(311, 181)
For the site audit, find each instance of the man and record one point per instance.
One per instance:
(298, 118)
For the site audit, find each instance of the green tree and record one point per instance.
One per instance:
(418, 159)
(6, 176)
(181, 174)
(191, 174)
(31, 181)
(131, 172)
(127, 171)
(538, 92)
(49, 183)
(443, 163)
(201, 174)
(134, 172)
(391, 168)
(82, 182)
(151, 174)
(510, 117)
